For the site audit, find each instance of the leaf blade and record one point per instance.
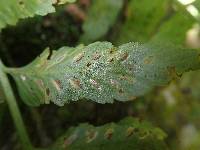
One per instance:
(101, 17)
(13, 10)
(112, 136)
(102, 72)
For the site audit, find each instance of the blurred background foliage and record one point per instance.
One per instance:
(175, 108)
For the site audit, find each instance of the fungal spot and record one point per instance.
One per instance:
(172, 72)
(113, 82)
(57, 84)
(112, 50)
(21, 2)
(129, 131)
(23, 77)
(40, 83)
(109, 133)
(78, 57)
(148, 60)
(186, 91)
(96, 56)
(91, 135)
(124, 56)
(111, 60)
(121, 91)
(123, 77)
(47, 91)
(69, 140)
(144, 134)
(94, 83)
(132, 97)
(75, 83)
(88, 64)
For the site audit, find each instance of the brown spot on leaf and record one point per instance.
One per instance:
(112, 50)
(91, 135)
(114, 82)
(94, 83)
(68, 141)
(123, 56)
(172, 72)
(143, 134)
(186, 91)
(148, 60)
(21, 2)
(57, 84)
(111, 60)
(88, 64)
(109, 133)
(47, 91)
(78, 57)
(127, 78)
(129, 131)
(75, 83)
(132, 97)
(40, 83)
(96, 56)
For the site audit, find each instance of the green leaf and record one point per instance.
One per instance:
(127, 134)
(101, 16)
(101, 72)
(142, 20)
(171, 31)
(13, 10)
(66, 1)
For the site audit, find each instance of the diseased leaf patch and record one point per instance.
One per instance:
(101, 72)
(127, 134)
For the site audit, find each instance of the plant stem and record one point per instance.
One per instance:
(14, 110)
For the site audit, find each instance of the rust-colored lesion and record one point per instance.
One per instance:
(109, 133)
(57, 84)
(78, 57)
(21, 2)
(148, 60)
(47, 91)
(130, 131)
(171, 71)
(69, 140)
(96, 56)
(123, 56)
(75, 83)
(91, 135)
(112, 50)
